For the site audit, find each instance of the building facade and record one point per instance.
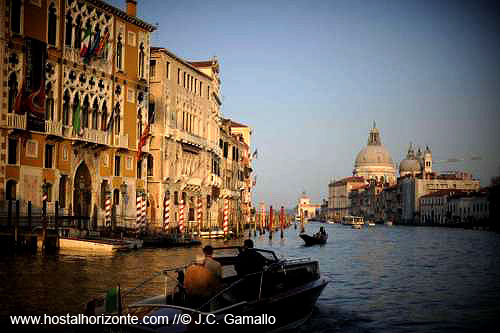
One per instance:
(196, 157)
(412, 189)
(338, 196)
(76, 80)
(306, 209)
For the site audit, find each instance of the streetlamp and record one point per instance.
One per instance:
(124, 192)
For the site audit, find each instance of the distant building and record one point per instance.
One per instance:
(306, 208)
(338, 196)
(412, 189)
(374, 161)
(416, 165)
(473, 208)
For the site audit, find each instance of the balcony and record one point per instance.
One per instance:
(195, 140)
(15, 121)
(53, 127)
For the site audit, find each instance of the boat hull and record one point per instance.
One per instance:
(281, 312)
(310, 240)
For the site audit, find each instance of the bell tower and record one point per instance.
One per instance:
(427, 161)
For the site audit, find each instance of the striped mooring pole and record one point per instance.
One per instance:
(144, 203)
(139, 215)
(107, 207)
(282, 220)
(166, 213)
(199, 212)
(226, 217)
(181, 216)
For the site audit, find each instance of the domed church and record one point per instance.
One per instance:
(416, 165)
(374, 161)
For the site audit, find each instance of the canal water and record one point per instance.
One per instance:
(383, 279)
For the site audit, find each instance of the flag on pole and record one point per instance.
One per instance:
(142, 141)
(19, 99)
(76, 119)
(85, 42)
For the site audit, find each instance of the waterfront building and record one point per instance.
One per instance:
(472, 207)
(75, 80)
(338, 196)
(434, 207)
(236, 173)
(305, 208)
(185, 157)
(374, 160)
(412, 189)
(195, 155)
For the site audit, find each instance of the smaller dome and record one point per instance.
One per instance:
(409, 166)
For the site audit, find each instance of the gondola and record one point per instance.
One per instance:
(281, 296)
(314, 240)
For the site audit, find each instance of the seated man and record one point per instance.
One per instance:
(249, 260)
(203, 280)
(211, 264)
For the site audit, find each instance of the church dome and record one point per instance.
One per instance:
(373, 155)
(409, 165)
(374, 160)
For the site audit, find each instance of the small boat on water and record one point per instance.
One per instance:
(356, 226)
(280, 297)
(97, 245)
(318, 238)
(389, 223)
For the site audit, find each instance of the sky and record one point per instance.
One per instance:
(310, 77)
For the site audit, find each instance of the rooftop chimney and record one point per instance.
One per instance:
(131, 7)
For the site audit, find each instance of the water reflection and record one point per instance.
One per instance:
(382, 278)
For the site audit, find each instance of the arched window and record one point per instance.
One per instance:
(95, 108)
(69, 30)
(78, 32)
(65, 113)
(49, 103)
(49, 192)
(52, 25)
(85, 112)
(139, 124)
(116, 197)
(10, 190)
(141, 61)
(139, 169)
(150, 166)
(15, 16)
(104, 186)
(76, 113)
(62, 191)
(119, 52)
(116, 122)
(13, 91)
(104, 116)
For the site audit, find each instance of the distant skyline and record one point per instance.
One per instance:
(310, 77)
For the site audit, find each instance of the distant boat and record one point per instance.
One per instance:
(389, 223)
(356, 226)
(314, 240)
(370, 223)
(352, 220)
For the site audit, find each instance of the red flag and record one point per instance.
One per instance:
(36, 101)
(19, 100)
(142, 141)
